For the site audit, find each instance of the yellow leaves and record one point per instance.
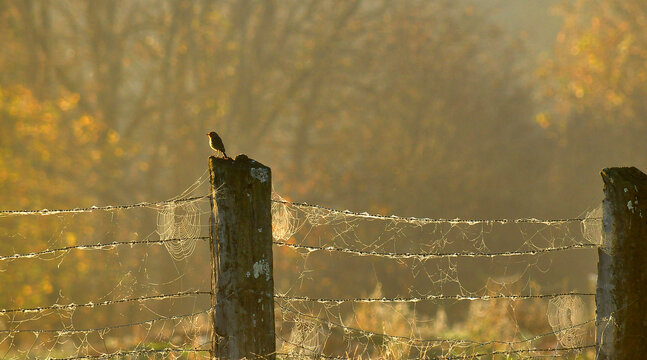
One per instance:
(19, 102)
(46, 286)
(26, 290)
(70, 239)
(614, 98)
(82, 266)
(576, 89)
(595, 23)
(542, 120)
(86, 129)
(625, 44)
(68, 102)
(113, 137)
(95, 155)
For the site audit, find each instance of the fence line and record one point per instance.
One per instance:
(103, 246)
(316, 355)
(518, 351)
(419, 220)
(423, 256)
(99, 208)
(134, 352)
(87, 331)
(103, 303)
(427, 297)
(368, 333)
(365, 215)
(395, 255)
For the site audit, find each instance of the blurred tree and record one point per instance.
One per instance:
(595, 86)
(48, 157)
(409, 79)
(413, 107)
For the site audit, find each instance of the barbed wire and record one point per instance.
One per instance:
(102, 246)
(517, 351)
(419, 220)
(99, 208)
(424, 256)
(448, 357)
(133, 352)
(310, 356)
(368, 333)
(304, 204)
(103, 303)
(106, 328)
(427, 297)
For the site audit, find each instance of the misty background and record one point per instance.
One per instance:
(438, 109)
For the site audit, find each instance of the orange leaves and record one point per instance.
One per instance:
(86, 129)
(600, 60)
(68, 102)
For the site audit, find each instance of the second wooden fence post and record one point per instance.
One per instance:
(243, 282)
(621, 298)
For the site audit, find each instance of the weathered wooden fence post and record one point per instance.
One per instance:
(243, 282)
(621, 298)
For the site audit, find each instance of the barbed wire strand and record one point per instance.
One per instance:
(424, 256)
(133, 352)
(431, 341)
(427, 297)
(419, 220)
(448, 357)
(303, 204)
(103, 303)
(517, 351)
(310, 356)
(86, 331)
(99, 208)
(102, 246)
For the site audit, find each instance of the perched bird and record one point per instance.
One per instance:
(216, 143)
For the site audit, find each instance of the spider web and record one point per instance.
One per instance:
(348, 285)
(181, 220)
(98, 282)
(390, 287)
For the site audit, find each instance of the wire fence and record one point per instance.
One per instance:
(287, 303)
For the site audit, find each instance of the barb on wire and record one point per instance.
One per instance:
(419, 220)
(96, 247)
(424, 256)
(427, 297)
(86, 331)
(133, 352)
(96, 208)
(103, 303)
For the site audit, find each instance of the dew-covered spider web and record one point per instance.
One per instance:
(361, 286)
(118, 281)
(182, 221)
(133, 282)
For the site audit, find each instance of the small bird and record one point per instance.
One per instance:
(216, 143)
